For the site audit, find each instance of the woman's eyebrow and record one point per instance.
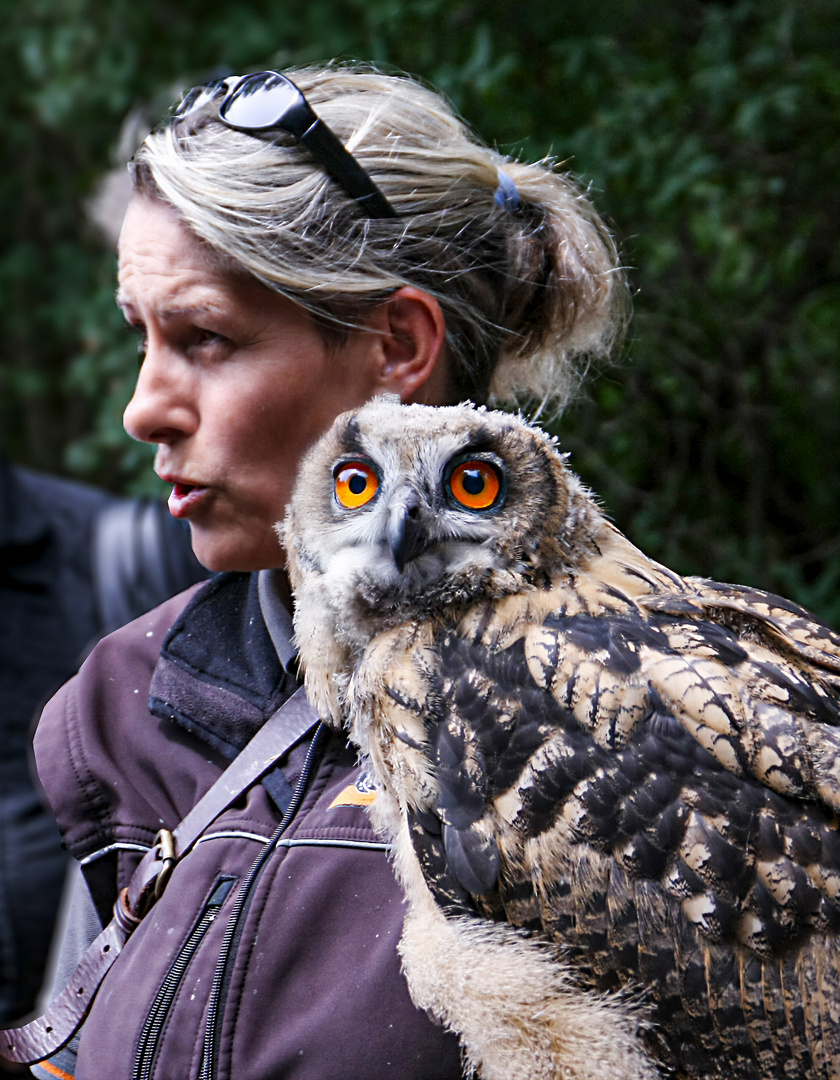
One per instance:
(197, 307)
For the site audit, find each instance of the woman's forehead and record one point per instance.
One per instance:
(161, 260)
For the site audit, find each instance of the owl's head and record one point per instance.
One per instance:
(411, 511)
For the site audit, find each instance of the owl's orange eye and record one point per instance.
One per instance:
(475, 484)
(355, 484)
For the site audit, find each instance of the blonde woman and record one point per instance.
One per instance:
(295, 244)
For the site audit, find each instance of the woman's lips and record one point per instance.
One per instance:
(185, 498)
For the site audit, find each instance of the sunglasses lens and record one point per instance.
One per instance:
(268, 101)
(265, 100)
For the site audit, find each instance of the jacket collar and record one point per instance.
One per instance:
(278, 618)
(219, 675)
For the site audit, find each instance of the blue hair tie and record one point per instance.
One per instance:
(507, 195)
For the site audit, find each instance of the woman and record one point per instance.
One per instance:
(275, 281)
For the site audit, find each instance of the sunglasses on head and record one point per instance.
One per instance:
(268, 101)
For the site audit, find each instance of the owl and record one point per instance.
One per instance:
(612, 793)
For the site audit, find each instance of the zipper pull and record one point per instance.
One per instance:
(220, 893)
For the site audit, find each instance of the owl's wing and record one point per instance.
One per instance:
(656, 790)
(787, 681)
(755, 613)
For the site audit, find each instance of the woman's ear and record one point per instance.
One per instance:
(411, 329)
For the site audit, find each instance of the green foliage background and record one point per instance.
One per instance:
(709, 134)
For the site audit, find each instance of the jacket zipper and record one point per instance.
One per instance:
(233, 932)
(159, 1011)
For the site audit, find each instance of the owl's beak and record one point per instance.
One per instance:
(405, 532)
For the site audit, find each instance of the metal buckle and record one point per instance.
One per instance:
(166, 842)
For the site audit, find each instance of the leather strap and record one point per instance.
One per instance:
(48, 1033)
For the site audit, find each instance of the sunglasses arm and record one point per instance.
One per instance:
(329, 151)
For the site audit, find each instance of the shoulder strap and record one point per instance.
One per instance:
(48, 1033)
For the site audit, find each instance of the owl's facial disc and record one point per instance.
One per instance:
(408, 530)
(409, 511)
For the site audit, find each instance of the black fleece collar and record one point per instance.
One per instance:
(219, 676)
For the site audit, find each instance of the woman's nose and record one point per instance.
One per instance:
(163, 407)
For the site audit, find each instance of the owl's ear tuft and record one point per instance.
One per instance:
(350, 439)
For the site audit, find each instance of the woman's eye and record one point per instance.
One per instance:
(208, 337)
(476, 485)
(355, 484)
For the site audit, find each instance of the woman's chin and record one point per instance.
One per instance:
(220, 553)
